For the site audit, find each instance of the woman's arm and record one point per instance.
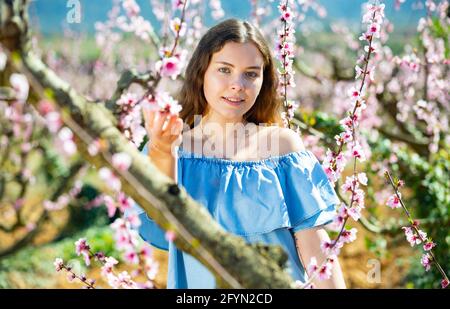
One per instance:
(308, 246)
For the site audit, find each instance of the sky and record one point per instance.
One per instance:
(50, 16)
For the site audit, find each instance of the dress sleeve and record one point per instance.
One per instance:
(309, 196)
(149, 230)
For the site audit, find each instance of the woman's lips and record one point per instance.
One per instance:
(233, 103)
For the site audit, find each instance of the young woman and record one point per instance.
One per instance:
(254, 177)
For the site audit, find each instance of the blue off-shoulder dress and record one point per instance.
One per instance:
(261, 201)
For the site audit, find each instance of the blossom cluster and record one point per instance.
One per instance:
(285, 54)
(414, 235)
(335, 161)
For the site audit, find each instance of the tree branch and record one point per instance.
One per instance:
(127, 78)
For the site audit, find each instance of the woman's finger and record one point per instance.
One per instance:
(174, 135)
(149, 117)
(169, 128)
(178, 126)
(159, 121)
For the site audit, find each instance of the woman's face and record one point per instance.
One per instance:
(232, 81)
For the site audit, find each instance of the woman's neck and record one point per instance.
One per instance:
(221, 122)
(227, 136)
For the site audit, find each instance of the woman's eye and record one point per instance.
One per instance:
(224, 70)
(252, 74)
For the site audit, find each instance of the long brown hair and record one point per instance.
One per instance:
(267, 106)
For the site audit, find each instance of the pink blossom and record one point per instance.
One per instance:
(394, 201)
(422, 236)
(30, 226)
(45, 107)
(65, 141)
(131, 7)
(350, 184)
(325, 271)
(131, 257)
(152, 269)
(94, 147)
(119, 224)
(354, 212)
(170, 235)
(358, 71)
(364, 37)
(122, 240)
(20, 85)
(429, 245)
(127, 101)
(125, 280)
(358, 197)
(348, 236)
(100, 256)
(444, 283)
(374, 30)
(113, 281)
(146, 252)
(109, 178)
(373, 9)
(347, 122)
(328, 248)
(3, 60)
(71, 276)
(331, 175)
(53, 121)
(142, 28)
(60, 203)
(338, 219)
(177, 27)
(124, 202)
(217, 14)
(149, 104)
(362, 177)
(81, 247)
(217, 11)
(169, 67)
(358, 152)
(412, 237)
(426, 261)
(373, 48)
(107, 268)
(110, 205)
(340, 162)
(167, 103)
(354, 93)
(59, 264)
(121, 161)
(134, 220)
(110, 261)
(178, 4)
(312, 266)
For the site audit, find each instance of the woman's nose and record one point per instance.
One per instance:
(238, 83)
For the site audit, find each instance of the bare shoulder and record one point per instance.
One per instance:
(288, 140)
